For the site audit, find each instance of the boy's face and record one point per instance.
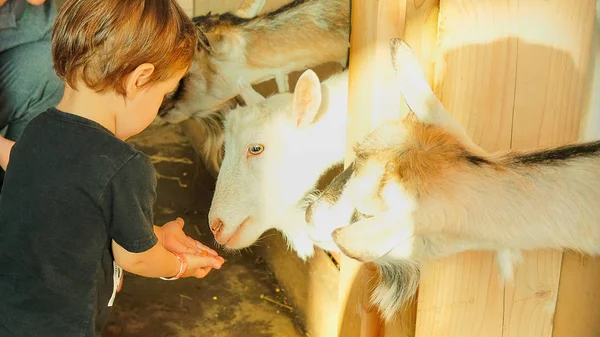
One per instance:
(143, 108)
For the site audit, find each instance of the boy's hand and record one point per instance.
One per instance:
(173, 238)
(200, 266)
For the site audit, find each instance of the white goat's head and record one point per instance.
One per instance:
(267, 145)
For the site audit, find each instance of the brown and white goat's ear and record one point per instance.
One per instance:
(248, 94)
(417, 93)
(249, 8)
(307, 98)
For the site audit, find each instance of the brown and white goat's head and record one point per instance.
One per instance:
(368, 209)
(205, 90)
(267, 167)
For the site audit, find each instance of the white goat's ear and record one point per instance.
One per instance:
(249, 8)
(307, 98)
(248, 93)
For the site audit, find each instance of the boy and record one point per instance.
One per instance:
(77, 200)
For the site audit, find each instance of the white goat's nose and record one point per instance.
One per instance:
(216, 226)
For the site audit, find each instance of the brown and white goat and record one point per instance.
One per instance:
(419, 189)
(242, 46)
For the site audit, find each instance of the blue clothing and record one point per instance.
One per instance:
(28, 83)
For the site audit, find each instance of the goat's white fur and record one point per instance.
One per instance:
(305, 35)
(273, 189)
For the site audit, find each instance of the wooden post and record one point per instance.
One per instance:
(513, 74)
(372, 100)
(374, 23)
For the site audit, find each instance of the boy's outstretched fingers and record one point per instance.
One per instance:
(200, 266)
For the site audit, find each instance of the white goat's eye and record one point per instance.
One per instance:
(256, 149)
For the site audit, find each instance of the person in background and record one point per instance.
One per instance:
(77, 201)
(28, 83)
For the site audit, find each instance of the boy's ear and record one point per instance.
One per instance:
(138, 77)
(307, 98)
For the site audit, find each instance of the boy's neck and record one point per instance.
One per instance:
(100, 108)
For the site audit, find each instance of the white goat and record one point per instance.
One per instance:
(276, 150)
(419, 189)
(254, 48)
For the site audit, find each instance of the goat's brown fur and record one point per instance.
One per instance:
(423, 190)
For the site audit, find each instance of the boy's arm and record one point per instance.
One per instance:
(155, 262)
(127, 201)
(159, 262)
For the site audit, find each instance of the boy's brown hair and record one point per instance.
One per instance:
(100, 42)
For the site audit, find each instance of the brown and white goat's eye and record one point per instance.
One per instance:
(256, 149)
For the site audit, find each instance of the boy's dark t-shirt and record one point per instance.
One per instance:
(71, 187)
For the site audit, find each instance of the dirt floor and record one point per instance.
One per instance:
(241, 299)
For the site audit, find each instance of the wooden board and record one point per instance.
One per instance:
(421, 34)
(461, 295)
(371, 100)
(548, 107)
(590, 122)
(578, 292)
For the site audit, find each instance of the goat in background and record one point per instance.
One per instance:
(242, 46)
